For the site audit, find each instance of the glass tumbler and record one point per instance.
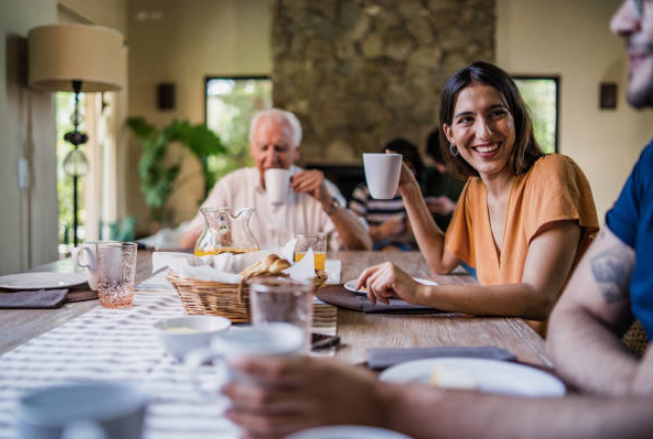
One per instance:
(315, 241)
(116, 272)
(282, 300)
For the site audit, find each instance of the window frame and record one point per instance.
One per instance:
(556, 79)
(208, 78)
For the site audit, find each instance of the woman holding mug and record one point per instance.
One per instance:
(522, 220)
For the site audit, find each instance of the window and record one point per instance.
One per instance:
(231, 102)
(541, 94)
(65, 104)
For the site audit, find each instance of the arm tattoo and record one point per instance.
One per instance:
(612, 274)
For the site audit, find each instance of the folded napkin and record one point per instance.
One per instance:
(381, 358)
(396, 306)
(207, 273)
(33, 299)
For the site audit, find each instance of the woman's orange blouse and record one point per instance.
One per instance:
(554, 189)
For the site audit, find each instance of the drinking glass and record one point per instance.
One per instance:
(282, 300)
(315, 241)
(116, 271)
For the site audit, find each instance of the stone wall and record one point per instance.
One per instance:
(361, 72)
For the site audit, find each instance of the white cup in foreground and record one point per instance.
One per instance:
(85, 257)
(92, 410)
(271, 339)
(277, 183)
(382, 173)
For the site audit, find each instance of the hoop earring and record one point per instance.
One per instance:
(453, 149)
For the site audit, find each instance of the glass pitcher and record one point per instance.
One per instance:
(226, 230)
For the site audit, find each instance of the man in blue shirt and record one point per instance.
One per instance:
(612, 283)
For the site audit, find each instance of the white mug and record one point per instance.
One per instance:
(91, 410)
(382, 173)
(270, 339)
(277, 183)
(85, 257)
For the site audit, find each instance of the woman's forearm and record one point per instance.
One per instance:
(428, 235)
(515, 300)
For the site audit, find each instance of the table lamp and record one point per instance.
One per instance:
(76, 58)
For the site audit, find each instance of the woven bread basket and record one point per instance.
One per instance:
(219, 299)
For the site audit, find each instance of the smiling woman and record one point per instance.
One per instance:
(523, 218)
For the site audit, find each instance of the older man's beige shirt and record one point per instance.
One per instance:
(272, 225)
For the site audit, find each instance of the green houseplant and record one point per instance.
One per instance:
(156, 176)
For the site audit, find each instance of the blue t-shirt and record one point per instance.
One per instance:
(631, 220)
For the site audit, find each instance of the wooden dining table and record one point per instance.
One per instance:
(357, 330)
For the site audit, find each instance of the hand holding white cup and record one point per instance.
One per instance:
(277, 184)
(382, 173)
(269, 339)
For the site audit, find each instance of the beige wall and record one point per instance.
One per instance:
(572, 39)
(110, 13)
(28, 222)
(190, 40)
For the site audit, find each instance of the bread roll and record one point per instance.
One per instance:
(272, 264)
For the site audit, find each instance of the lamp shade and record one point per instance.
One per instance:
(62, 53)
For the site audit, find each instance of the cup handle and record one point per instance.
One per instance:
(194, 361)
(89, 257)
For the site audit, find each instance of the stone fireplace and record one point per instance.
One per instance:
(360, 72)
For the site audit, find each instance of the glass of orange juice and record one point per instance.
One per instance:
(315, 241)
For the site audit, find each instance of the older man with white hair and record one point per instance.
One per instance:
(315, 205)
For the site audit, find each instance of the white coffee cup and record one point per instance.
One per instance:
(277, 183)
(270, 339)
(85, 257)
(92, 410)
(382, 173)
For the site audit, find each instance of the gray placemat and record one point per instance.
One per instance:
(381, 358)
(395, 306)
(33, 299)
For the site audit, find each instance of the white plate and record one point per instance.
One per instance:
(351, 285)
(491, 376)
(35, 281)
(347, 432)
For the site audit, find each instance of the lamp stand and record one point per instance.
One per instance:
(75, 169)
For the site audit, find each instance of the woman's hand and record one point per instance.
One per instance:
(387, 280)
(406, 178)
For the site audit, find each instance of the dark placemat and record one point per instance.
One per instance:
(35, 299)
(339, 296)
(81, 295)
(381, 358)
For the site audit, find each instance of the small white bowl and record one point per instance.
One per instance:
(200, 331)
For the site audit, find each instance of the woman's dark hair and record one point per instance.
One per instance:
(525, 150)
(409, 151)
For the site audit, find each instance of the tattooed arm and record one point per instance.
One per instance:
(586, 326)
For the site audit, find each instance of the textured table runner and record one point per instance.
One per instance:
(118, 345)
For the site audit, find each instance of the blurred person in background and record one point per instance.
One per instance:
(440, 189)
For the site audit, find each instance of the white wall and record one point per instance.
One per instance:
(28, 218)
(189, 40)
(571, 38)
